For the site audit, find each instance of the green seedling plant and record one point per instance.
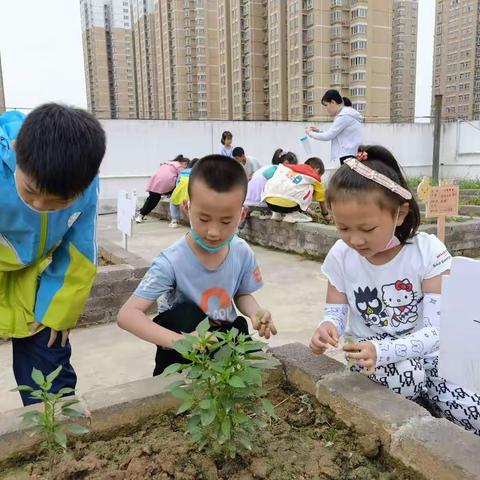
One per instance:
(222, 392)
(351, 361)
(46, 423)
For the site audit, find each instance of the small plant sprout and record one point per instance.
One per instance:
(45, 423)
(351, 361)
(222, 392)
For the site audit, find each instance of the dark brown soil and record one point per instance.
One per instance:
(304, 443)
(103, 262)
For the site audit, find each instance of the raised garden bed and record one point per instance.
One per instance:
(354, 429)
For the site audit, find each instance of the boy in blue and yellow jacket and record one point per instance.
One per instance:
(49, 164)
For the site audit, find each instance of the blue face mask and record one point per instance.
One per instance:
(206, 247)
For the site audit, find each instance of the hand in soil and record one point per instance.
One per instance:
(263, 323)
(364, 355)
(324, 336)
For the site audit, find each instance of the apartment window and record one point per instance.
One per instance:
(335, 47)
(358, 45)
(358, 91)
(336, 3)
(336, 78)
(358, 61)
(335, 63)
(356, 76)
(336, 16)
(359, 29)
(360, 106)
(360, 12)
(336, 31)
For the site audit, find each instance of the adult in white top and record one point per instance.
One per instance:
(346, 132)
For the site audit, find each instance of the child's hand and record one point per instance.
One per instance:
(326, 334)
(53, 335)
(263, 323)
(364, 355)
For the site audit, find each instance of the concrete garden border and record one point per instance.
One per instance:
(434, 448)
(113, 285)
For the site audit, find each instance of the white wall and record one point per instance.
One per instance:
(135, 148)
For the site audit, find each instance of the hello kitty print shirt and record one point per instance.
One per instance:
(386, 299)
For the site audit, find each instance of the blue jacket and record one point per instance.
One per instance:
(47, 260)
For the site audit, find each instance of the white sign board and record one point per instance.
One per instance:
(459, 359)
(126, 207)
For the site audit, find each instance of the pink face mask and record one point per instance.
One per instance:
(394, 241)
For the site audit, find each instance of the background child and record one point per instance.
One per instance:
(206, 273)
(227, 147)
(162, 183)
(250, 164)
(180, 195)
(291, 189)
(48, 253)
(388, 277)
(258, 180)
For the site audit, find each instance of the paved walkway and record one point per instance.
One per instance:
(294, 292)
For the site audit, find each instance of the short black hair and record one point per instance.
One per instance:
(60, 148)
(316, 162)
(346, 184)
(220, 173)
(238, 152)
(226, 134)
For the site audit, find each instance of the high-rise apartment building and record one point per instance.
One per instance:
(2, 94)
(404, 60)
(456, 62)
(265, 59)
(109, 58)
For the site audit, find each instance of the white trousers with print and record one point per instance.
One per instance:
(418, 377)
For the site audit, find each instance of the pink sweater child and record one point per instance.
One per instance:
(164, 179)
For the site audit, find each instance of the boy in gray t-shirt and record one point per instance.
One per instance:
(206, 273)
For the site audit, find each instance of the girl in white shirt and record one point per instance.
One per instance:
(385, 284)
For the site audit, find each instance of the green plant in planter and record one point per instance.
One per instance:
(222, 392)
(45, 423)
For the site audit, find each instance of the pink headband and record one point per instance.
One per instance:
(357, 165)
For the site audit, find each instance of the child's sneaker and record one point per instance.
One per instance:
(276, 216)
(297, 217)
(173, 224)
(139, 218)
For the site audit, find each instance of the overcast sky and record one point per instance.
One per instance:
(42, 58)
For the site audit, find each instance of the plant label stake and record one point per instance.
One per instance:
(442, 202)
(126, 207)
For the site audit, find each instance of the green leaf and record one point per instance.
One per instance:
(22, 388)
(194, 372)
(268, 407)
(53, 375)
(60, 438)
(37, 377)
(76, 429)
(202, 327)
(226, 427)
(205, 404)
(69, 403)
(208, 417)
(183, 347)
(71, 412)
(180, 393)
(185, 406)
(31, 418)
(239, 417)
(236, 382)
(171, 369)
(66, 391)
(244, 440)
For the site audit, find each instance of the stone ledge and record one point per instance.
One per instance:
(435, 448)
(438, 449)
